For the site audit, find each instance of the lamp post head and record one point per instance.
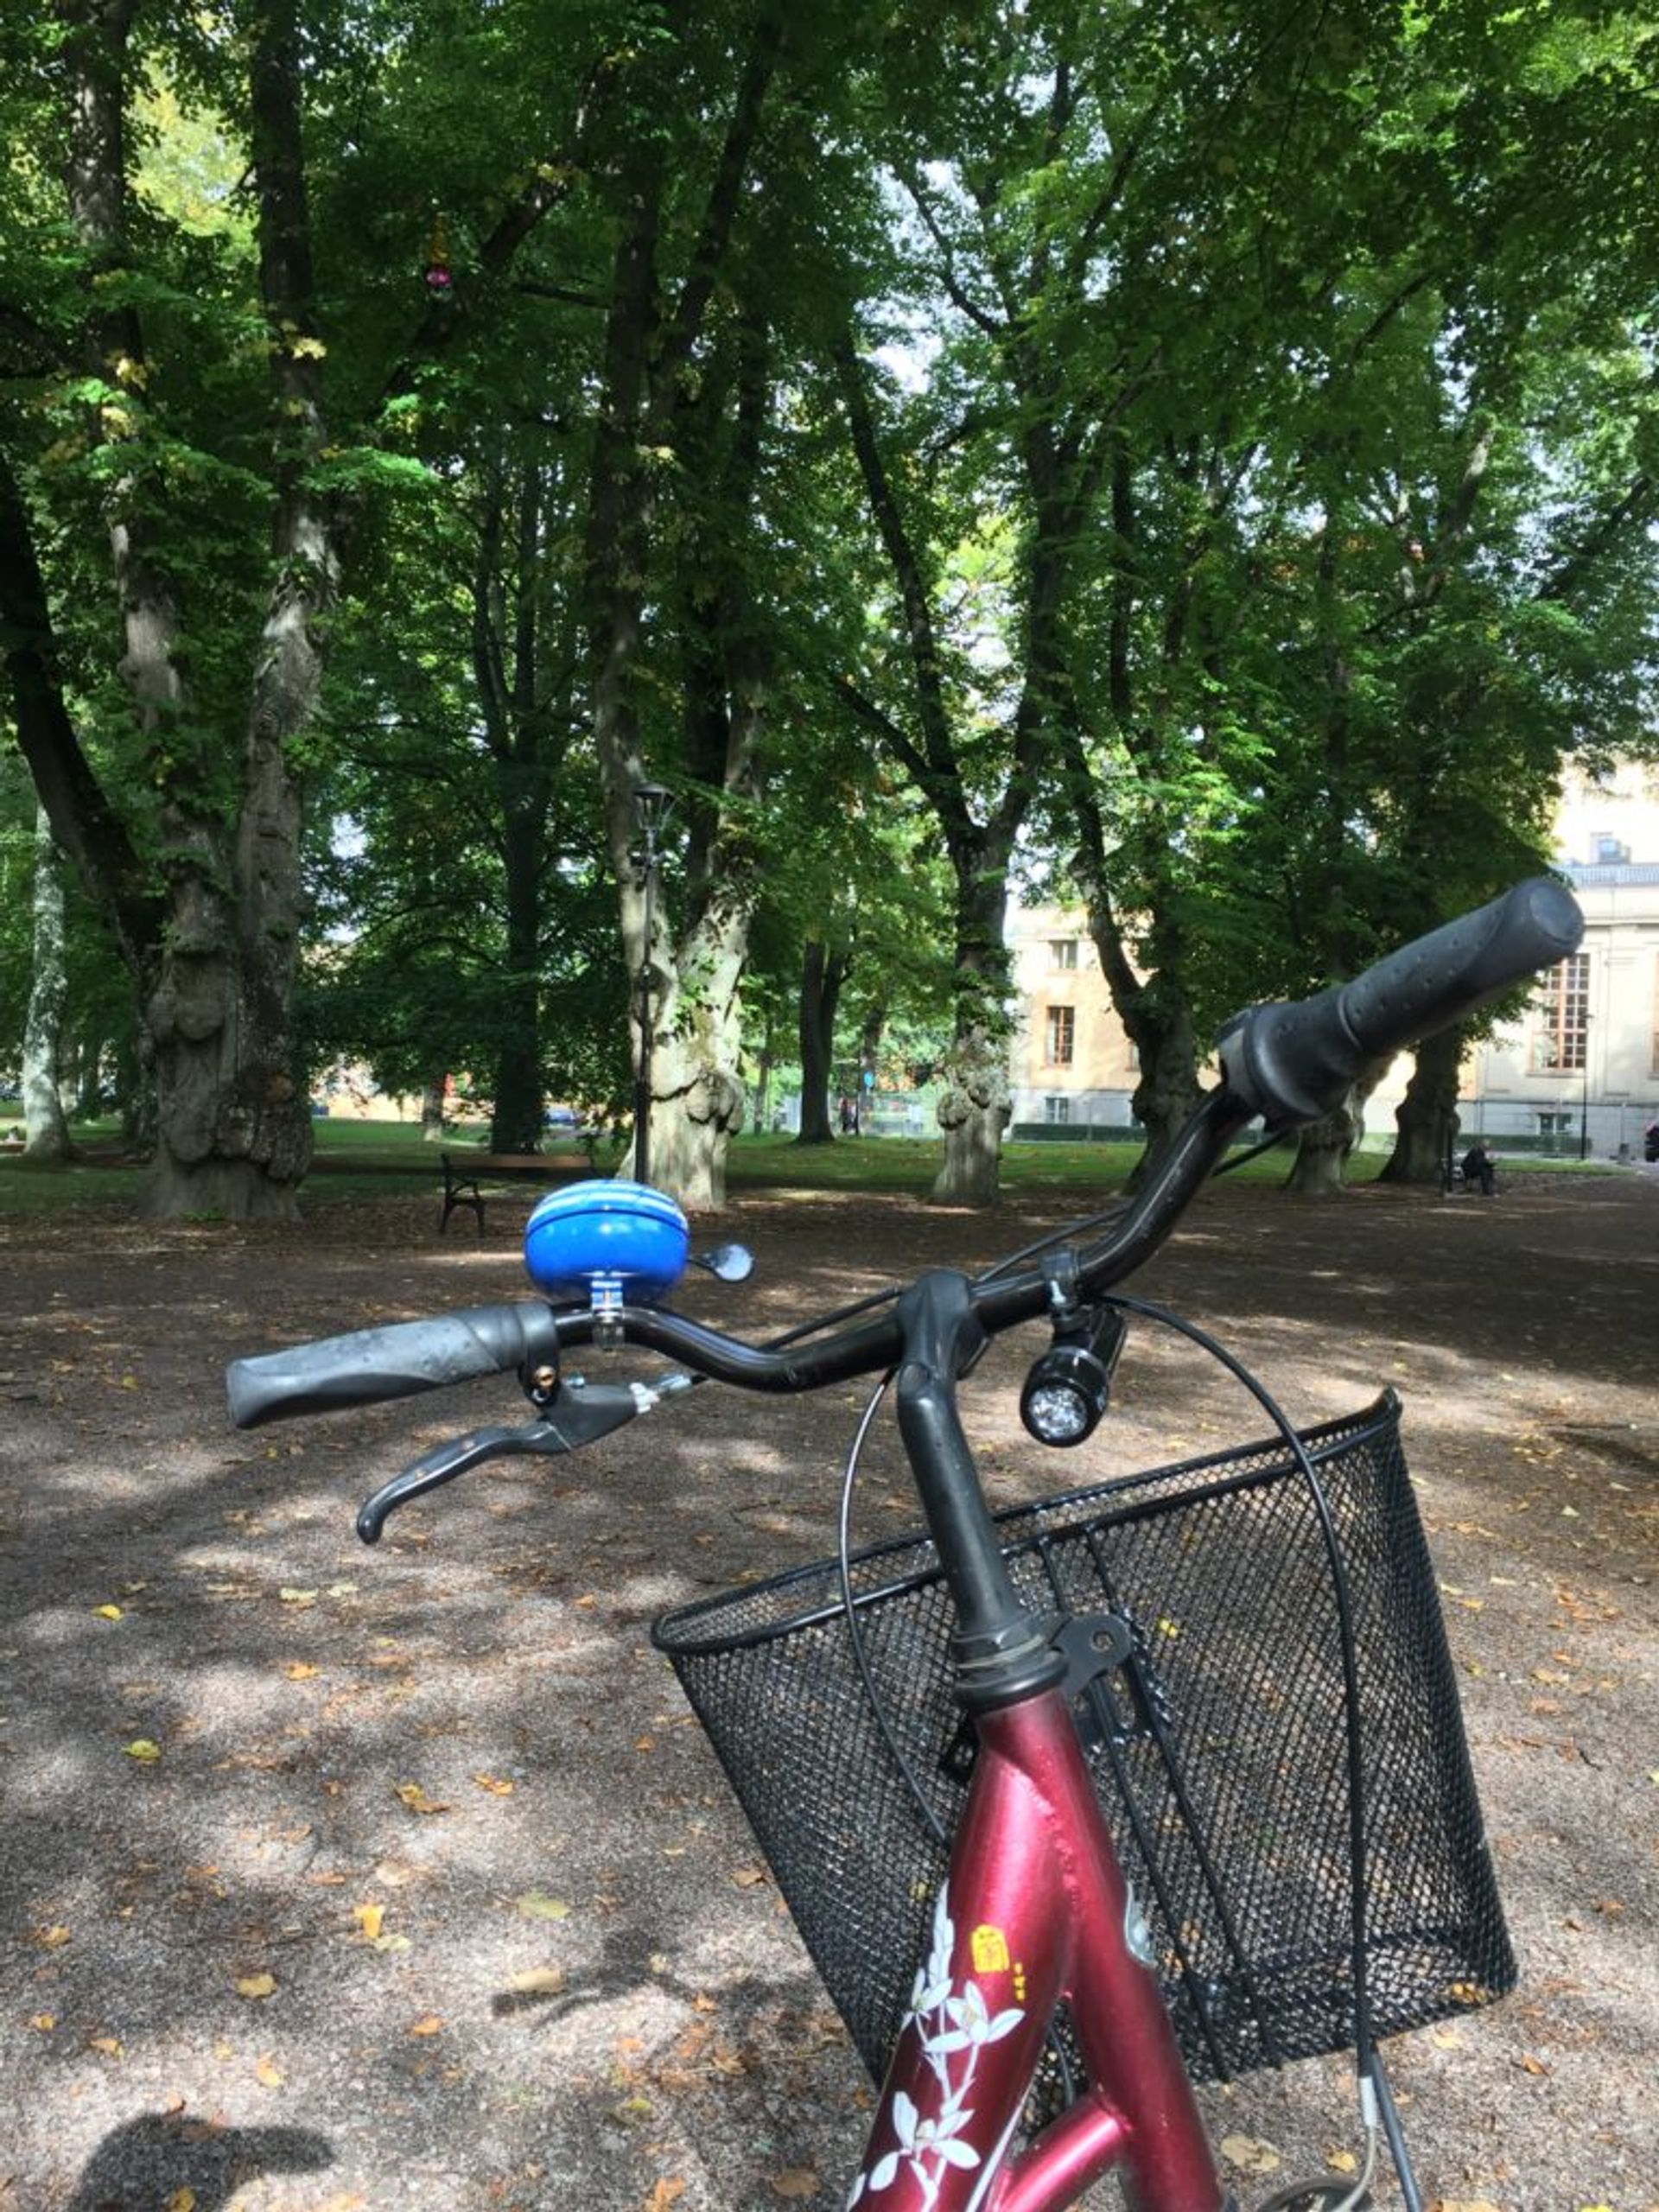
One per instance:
(652, 805)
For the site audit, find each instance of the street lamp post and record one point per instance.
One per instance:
(1583, 1098)
(652, 805)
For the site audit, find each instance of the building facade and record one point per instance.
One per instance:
(1576, 1074)
(1072, 1068)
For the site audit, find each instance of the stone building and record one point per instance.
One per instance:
(1578, 1073)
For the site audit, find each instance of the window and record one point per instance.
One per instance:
(1059, 1040)
(1561, 1018)
(1056, 1108)
(1063, 952)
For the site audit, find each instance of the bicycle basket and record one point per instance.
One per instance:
(1218, 1750)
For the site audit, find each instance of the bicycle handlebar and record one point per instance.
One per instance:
(1296, 1063)
(1289, 1064)
(394, 1361)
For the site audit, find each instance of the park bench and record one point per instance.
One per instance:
(466, 1174)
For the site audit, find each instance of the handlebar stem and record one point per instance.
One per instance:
(1003, 1650)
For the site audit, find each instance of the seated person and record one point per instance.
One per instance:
(1477, 1165)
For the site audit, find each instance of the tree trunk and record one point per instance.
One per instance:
(1321, 1153)
(975, 1107)
(696, 1101)
(823, 974)
(1324, 1149)
(1153, 1008)
(1426, 1117)
(84, 1078)
(136, 1085)
(761, 1105)
(973, 1112)
(516, 1123)
(432, 1096)
(509, 652)
(46, 1133)
(1168, 1087)
(649, 394)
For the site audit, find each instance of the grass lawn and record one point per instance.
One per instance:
(362, 1159)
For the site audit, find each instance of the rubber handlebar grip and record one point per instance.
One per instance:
(394, 1361)
(1295, 1063)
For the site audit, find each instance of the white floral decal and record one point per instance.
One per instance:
(950, 2023)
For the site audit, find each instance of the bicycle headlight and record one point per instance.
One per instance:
(1069, 1385)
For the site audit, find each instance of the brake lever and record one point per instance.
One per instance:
(581, 1413)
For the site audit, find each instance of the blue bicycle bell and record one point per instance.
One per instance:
(606, 1243)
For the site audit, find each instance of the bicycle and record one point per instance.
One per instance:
(1143, 1806)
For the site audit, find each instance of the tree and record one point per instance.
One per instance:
(147, 348)
(45, 1130)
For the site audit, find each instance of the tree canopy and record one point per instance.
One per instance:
(1205, 455)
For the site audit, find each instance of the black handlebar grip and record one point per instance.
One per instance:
(1296, 1063)
(394, 1361)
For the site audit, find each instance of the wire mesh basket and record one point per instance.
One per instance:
(1219, 1748)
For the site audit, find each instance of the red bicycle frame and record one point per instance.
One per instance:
(1035, 1912)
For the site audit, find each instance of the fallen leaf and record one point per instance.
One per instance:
(368, 1918)
(49, 1939)
(142, 1750)
(416, 1798)
(537, 1981)
(268, 2073)
(182, 2200)
(668, 2188)
(110, 2045)
(795, 2181)
(1249, 2154)
(106, 1612)
(43, 2022)
(389, 1943)
(535, 1906)
(299, 1670)
(495, 1784)
(749, 1877)
(298, 1597)
(1342, 2162)
(256, 1985)
(428, 2025)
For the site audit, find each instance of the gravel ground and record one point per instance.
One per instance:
(337, 1881)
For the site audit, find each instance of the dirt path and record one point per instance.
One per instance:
(336, 1881)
